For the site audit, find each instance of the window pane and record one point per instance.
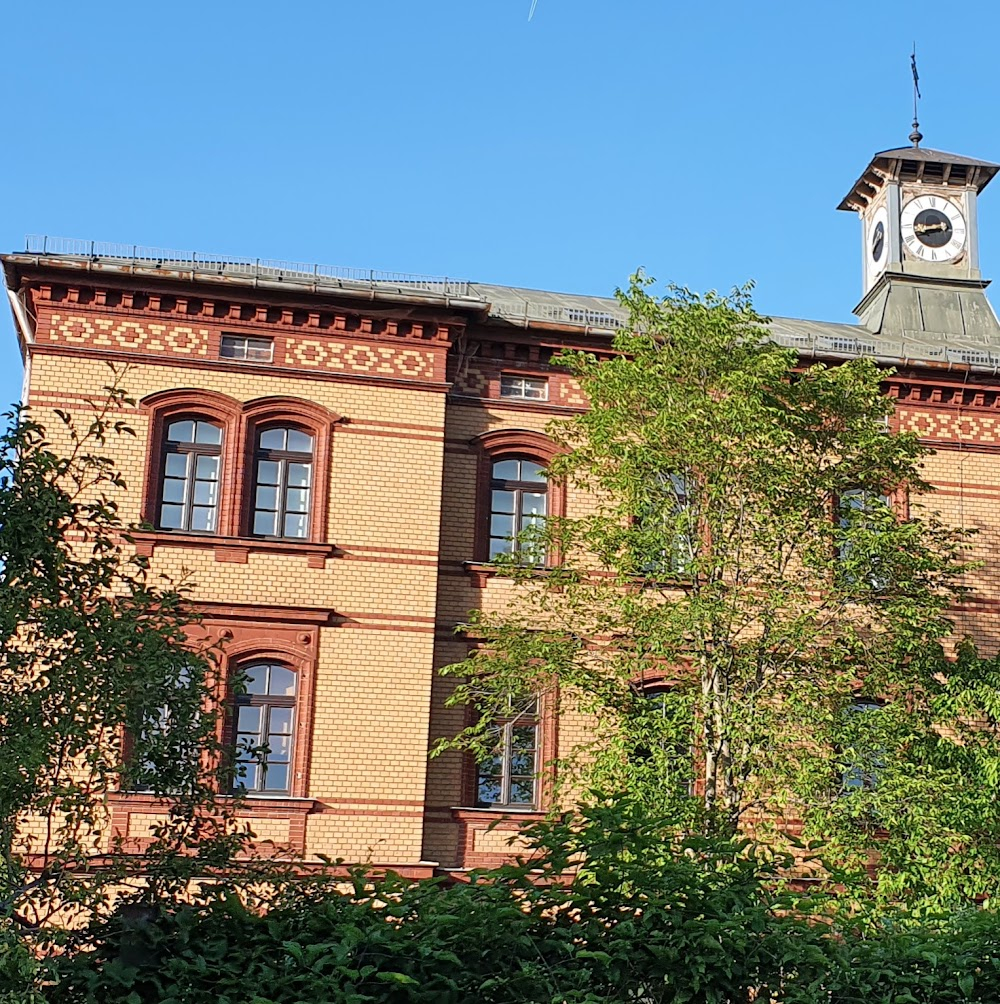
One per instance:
(503, 501)
(232, 348)
(267, 498)
(176, 465)
(489, 790)
(280, 746)
(206, 432)
(522, 790)
(205, 493)
(280, 721)
(173, 490)
(523, 737)
(533, 503)
(260, 349)
(171, 517)
(500, 547)
(273, 439)
(264, 524)
(506, 470)
(181, 432)
(246, 776)
(295, 526)
(501, 526)
(207, 468)
(530, 471)
(276, 777)
(297, 500)
(282, 684)
(203, 518)
(299, 475)
(255, 678)
(248, 719)
(523, 763)
(267, 472)
(299, 442)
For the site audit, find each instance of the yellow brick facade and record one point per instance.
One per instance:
(366, 609)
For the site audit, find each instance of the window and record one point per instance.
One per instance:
(518, 497)
(524, 388)
(663, 736)
(862, 509)
(189, 488)
(507, 776)
(168, 745)
(282, 485)
(263, 729)
(246, 349)
(664, 538)
(863, 752)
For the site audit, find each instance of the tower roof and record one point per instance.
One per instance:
(914, 163)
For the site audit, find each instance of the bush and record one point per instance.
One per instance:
(639, 915)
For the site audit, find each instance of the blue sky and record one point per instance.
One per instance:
(709, 142)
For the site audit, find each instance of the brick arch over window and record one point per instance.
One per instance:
(249, 651)
(502, 444)
(291, 413)
(166, 407)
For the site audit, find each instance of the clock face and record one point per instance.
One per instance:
(878, 239)
(933, 228)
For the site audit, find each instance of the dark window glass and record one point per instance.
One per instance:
(264, 721)
(282, 488)
(518, 503)
(189, 486)
(507, 775)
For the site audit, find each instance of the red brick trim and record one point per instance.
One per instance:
(232, 549)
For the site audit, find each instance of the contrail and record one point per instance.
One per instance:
(531, 13)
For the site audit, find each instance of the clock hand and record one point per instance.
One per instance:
(927, 228)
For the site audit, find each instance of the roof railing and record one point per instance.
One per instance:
(262, 268)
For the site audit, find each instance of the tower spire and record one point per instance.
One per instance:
(916, 136)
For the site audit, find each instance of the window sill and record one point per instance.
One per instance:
(482, 571)
(472, 813)
(235, 550)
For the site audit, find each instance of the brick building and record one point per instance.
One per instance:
(333, 456)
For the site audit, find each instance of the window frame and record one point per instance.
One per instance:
(267, 703)
(502, 444)
(518, 488)
(246, 339)
(191, 451)
(523, 379)
(304, 416)
(284, 458)
(169, 406)
(507, 725)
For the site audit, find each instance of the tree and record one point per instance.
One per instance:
(102, 688)
(749, 619)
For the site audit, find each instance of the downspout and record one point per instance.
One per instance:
(27, 339)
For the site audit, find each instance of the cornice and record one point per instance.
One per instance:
(249, 314)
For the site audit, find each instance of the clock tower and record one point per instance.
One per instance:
(920, 244)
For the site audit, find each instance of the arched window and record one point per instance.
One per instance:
(190, 476)
(264, 727)
(507, 777)
(518, 507)
(283, 482)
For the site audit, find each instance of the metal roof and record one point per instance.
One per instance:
(504, 304)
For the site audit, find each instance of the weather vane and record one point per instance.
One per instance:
(916, 136)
